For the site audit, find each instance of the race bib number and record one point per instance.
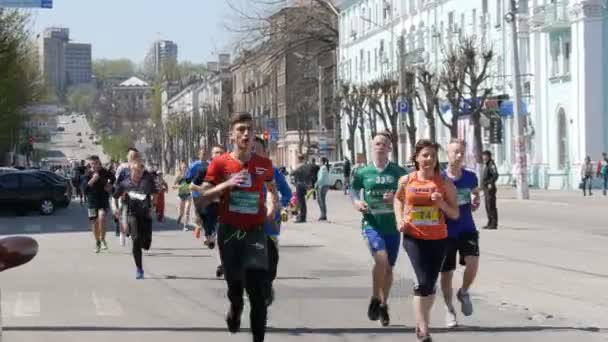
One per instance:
(464, 196)
(425, 216)
(377, 204)
(244, 202)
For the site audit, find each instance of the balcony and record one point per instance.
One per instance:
(551, 17)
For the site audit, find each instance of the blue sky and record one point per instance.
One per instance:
(126, 28)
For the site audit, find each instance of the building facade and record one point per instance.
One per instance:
(51, 49)
(78, 64)
(562, 54)
(280, 87)
(162, 52)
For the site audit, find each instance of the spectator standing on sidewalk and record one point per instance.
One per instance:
(322, 187)
(301, 178)
(602, 170)
(346, 180)
(488, 180)
(314, 172)
(587, 176)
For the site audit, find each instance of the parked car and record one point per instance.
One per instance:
(60, 129)
(6, 169)
(336, 176)
(78, 134)
(30, 190)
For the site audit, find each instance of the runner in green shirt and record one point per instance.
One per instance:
(378, 182)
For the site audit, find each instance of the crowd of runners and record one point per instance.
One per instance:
(239, 198)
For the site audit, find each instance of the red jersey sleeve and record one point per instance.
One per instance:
(269, 172)
(215, 172)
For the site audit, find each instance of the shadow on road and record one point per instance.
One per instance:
(305, 331)
(72, 219)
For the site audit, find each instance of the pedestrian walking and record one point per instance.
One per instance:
(301, 177)
(488, 181)
(184, 196)
(346, 177)
(602, 171)
(322, 187)
(587, 176)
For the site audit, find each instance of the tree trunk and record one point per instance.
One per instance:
(477, 137)
(432, 127)
(454, 127)
(362, 134)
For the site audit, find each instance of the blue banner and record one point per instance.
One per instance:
(27, 3)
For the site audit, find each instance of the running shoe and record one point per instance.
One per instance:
(98, 247)
(139, 274)
(105, 245)
(233, 319)
(373, 311)
(123, 239)
(385, 319)
(450, 319)
(219, 272)
(466, 306)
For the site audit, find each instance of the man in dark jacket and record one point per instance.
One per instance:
(347, 170)
(301, 178)
(488, 181)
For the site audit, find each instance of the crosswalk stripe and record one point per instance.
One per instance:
(32, 228)
(27, 304)
(105, 306)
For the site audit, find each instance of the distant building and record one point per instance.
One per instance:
(134, 99)
(78, 64)
(52, 58)
(161, 52)
(62, 63)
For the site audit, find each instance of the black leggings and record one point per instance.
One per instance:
(256, 285)
(427, 257)
(141, 233)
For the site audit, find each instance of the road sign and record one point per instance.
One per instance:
(274, 135)
(26, 3)
(402, 106)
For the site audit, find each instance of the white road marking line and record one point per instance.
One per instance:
(106, 306)
(32, 228)
(27, 304)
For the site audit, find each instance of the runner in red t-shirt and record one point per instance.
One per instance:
(239, 178)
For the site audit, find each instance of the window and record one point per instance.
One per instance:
(8, 182)
(498, 12)
(28, 181)
(474, 21)
(369, 61)
(484, 6)
(562, 136)
(375, 59)
(566, 55)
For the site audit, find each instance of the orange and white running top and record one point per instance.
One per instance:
(424, 219)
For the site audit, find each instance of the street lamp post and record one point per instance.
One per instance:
(523, 192)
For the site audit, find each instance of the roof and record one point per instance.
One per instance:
(134, 82)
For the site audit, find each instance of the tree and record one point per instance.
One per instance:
(105, 69)
(115, 145)
(428, 100)
(462, 79)
(383, 103)
(82, 98)
(20, 81)
(354, 100)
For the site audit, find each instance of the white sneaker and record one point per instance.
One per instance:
(123, 239)
(450, 319)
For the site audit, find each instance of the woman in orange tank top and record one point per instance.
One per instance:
(422, 201)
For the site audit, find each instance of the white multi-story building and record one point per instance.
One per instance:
(563, 49)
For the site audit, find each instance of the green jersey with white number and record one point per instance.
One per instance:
(375, 183)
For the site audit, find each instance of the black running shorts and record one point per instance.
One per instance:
(241, 251)
(466, 244)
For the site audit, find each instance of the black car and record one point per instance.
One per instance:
(33, 190)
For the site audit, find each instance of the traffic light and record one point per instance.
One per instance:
(495, 130)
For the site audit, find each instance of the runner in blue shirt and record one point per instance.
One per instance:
(463, 238)
(273, 229)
